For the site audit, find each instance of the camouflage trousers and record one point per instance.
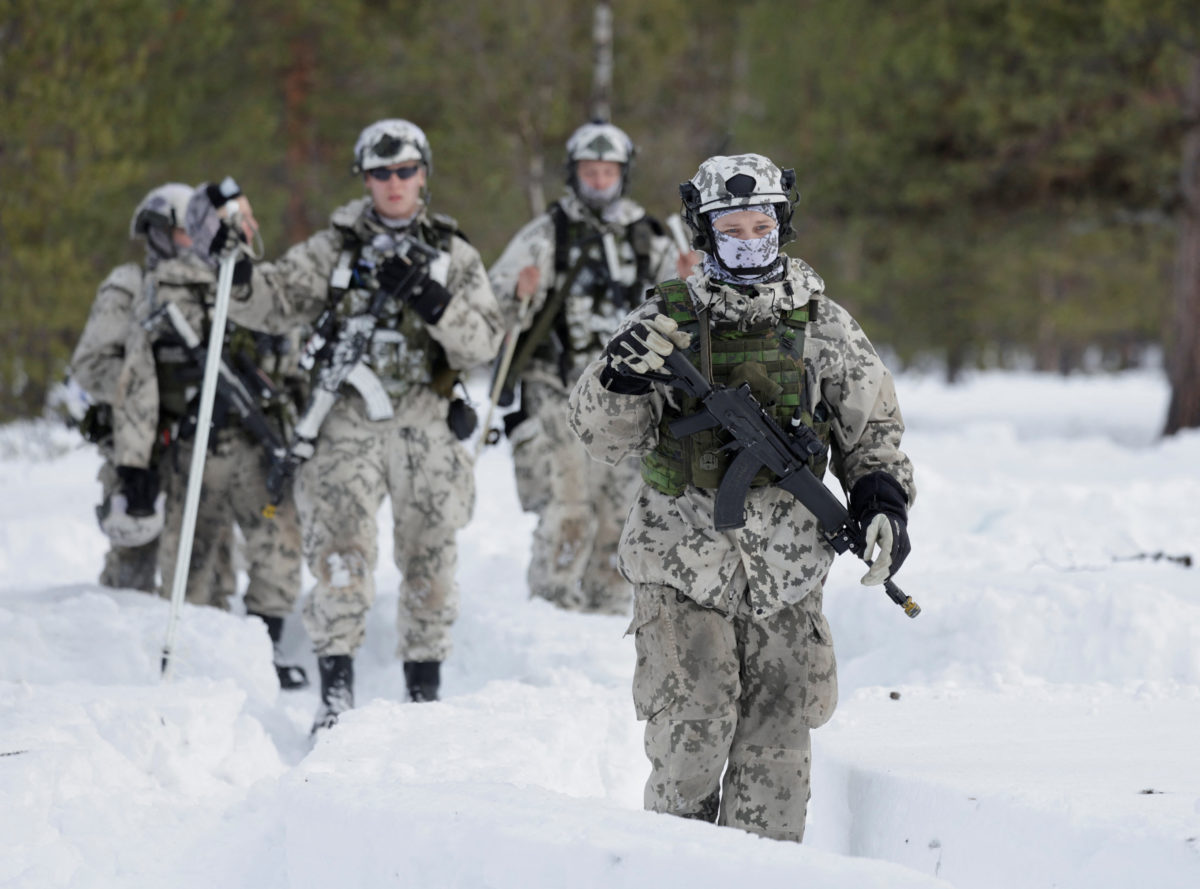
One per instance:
(581, 505)
(428, 475)
(234, 490)
(736, 694)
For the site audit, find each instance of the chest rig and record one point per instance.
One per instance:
(248, 353)
(588, 303)
(402, 353)
(769, 357)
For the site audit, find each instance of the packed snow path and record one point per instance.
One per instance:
(1036, 726)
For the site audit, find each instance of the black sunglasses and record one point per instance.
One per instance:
(383, 174)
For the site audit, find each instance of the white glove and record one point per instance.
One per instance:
(878, 534)
(641, 348)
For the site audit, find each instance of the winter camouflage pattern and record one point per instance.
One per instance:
(96, 362)
(391, 141)
(735, 661)
(779, 554)
(96, 366)
(412, 458)
(428, 475)
(234, 484)
(735, 689)
(234, 490)
(581, 504)
(715, 172)
(600, 142)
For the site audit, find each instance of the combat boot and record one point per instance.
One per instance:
(291, 677)
(423, 679)
(337, 689)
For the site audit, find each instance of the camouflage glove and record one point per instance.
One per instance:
(635, 355)
(880, 507)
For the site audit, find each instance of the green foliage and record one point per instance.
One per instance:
(980, 178)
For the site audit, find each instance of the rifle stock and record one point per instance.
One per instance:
(760, 442)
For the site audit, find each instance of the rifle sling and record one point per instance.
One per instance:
(529, 342)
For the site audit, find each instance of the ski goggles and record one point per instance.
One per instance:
(383, 174)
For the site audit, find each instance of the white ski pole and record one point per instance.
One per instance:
(506, 357)
(208, 392)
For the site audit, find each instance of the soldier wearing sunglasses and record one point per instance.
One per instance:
(438, 319)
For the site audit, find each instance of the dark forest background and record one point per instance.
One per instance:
(989, 183)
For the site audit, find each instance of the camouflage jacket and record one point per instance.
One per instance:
(589, 322)
(297, 287)
(779, 555)
(139, 412)
(96, 362)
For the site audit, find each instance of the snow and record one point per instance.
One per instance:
(1036, 726)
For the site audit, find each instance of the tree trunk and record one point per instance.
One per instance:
(1183, 363)
(602, 70)
(297, 133)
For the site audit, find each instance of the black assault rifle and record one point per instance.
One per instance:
(760, 442)
(241, 392)
(336, 348)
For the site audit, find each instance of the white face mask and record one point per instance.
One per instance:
(599, 198)
(756, 253)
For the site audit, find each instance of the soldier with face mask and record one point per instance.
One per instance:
(155, 407)
(395, 292)
(570, 276)
(132, 559)
(735, 662)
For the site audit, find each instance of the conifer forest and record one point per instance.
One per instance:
(984, 183)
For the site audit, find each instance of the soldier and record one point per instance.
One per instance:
(132, 559)
(157, 401)
(407, 327)
(735, 662)
(570, 275)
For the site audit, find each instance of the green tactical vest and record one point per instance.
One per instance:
(769, 358)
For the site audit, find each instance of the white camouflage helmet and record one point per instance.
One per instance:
(391, 141)
(599, 142)
(740, 180)
(165, 206)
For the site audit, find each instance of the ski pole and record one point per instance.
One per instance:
(208, 391)
(506, 357)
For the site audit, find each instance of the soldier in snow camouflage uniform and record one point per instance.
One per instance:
(735, 663)
(441, 321)
(157, 400)
(95, 366)
(574, 289)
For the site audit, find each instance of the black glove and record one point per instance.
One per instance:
(140, 487)
(877, 493)
(410, 283)
(397, 276)
(635, 355)
(429, 299)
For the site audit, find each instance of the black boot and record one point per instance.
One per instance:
(423, 679)
(337, 689)
(290, 677)
(710, 808)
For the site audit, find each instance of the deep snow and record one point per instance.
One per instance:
(1036, 726)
